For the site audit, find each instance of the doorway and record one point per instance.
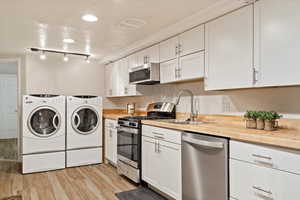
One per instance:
(9, 120)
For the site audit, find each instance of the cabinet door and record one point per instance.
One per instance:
(191, 66)
(108, 80)
(277, 42)
(170, 166)
(141, 57)
(107, 142)
(116, 88)
(168, 49)
(169, 71)
(132, 61)
(122, 73)
(153, 54)
(114, 145)
(151, 162)
(192, 41)
(229, 51)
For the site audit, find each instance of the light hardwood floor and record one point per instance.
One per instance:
(81, 183)
(9, 149)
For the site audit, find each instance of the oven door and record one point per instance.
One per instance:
(129, 146)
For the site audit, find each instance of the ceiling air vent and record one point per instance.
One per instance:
(132, 23)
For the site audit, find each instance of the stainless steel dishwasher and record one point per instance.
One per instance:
(204, 167)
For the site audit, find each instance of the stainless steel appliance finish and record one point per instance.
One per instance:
(161, 107)
(130, 138)
(193, 115)
(147, 74)
(204, 167)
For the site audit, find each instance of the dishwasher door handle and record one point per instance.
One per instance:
(204, 143)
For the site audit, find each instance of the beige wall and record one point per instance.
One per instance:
(285, 100)
(54, 76)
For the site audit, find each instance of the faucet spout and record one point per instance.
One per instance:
(192, 115)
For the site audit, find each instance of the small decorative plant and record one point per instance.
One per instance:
(261, 120)
(270, 120)
(251, 117)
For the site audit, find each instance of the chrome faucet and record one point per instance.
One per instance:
(193, 115)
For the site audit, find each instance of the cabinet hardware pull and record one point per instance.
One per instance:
(159, 137)
(155, 133)
(176, 50)
(261, 190)
(263, 157)
(255, 73)
(155, 149)
(158, 147)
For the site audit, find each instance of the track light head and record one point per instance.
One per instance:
(66, 58)
(43, 55)
(87, 59)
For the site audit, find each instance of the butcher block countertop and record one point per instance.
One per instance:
(114, 114)
(233, 127)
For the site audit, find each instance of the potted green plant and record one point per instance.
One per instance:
(260, 122)
(251, 117)
(271, 122)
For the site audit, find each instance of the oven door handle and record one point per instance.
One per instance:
(127, 130)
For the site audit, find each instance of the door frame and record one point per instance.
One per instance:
(19, 102)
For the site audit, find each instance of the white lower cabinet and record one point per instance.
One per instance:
(250, 181)
(161, 162)
(111, 141)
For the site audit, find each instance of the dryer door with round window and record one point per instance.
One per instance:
(85, 120)
(44, 122)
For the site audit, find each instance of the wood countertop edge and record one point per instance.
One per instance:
(277, 141)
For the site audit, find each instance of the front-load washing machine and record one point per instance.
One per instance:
(43, 133)
(84, 130)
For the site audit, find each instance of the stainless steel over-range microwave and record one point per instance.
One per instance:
(146, 74)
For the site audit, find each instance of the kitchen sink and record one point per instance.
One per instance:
(176, 121)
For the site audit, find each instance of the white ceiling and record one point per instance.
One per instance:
(39, 23)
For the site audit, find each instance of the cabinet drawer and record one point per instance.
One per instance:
(249, 181)
(277, 158)
(110, 123)
(162, 134)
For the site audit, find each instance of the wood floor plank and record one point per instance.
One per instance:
(95, 182)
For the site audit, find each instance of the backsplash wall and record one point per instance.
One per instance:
(284, 100)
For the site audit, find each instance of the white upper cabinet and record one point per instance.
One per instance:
(108, 80)
(277, 43)
(182, 57)
(191, 66)
(148, 55)
(117, 80)
(168, 49)
(229, 51)
(169, 71)
(191, 41)
(132, 61)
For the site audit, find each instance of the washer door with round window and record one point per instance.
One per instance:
(85, 120)
(44, 122)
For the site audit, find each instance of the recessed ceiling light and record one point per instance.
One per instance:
(68, 40)
(89, 18)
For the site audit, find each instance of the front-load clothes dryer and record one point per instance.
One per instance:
(84, 130)
(43, 133)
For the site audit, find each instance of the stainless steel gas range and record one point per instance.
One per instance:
(130, 138)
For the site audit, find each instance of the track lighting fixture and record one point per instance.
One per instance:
(87, 60)
(65, 53)
(66, 58)
(43, 55)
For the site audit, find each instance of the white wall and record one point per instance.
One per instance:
(54, 76)
(284, 100)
